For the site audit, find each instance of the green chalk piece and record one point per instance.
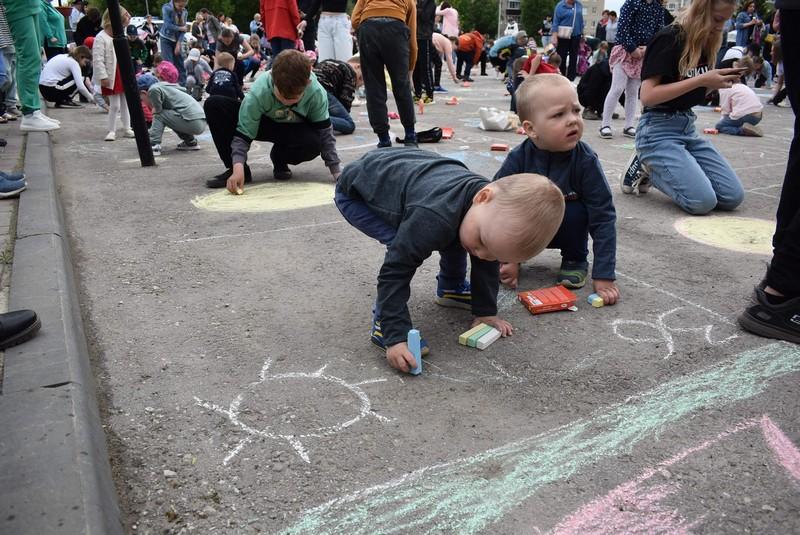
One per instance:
(462, 339)
(472, 341)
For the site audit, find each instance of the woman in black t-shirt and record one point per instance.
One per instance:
(238, 47)
(675, 77)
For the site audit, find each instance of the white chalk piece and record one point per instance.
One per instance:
(416, 350)
(488, 339)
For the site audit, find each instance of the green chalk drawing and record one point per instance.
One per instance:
(469, 494)
(629, 146)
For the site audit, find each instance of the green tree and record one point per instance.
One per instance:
(533, 13)
(241, 11)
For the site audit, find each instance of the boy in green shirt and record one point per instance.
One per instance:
(287, 107)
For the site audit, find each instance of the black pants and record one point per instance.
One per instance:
(436, 62)
(293, 143)
(568, 48)
(423, 74)
(62, 92)
(484, 59)
(784, 271)
(383, 43)
(463, 59)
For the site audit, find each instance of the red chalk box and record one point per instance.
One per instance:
(551, 299)
(447, 133)
(502, 147)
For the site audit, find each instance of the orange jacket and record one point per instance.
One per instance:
(403, 10)
(471, 42)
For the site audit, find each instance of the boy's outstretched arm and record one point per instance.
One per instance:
(400, 358)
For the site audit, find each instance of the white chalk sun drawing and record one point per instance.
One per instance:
(667, 333)
(232, 412)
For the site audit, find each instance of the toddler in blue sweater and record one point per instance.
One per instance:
(547, 105)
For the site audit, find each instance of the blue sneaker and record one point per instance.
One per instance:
(13, 175)
(11, 188)
(376, 337)
(459, 297)
(439, 89)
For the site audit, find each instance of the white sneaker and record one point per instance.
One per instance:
(32, 123)
(111, 136)
(129, 133)
(40, 115)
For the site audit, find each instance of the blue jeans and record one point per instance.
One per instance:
(726, 125)
(168, 54)
(684, 166)
(572, 237)
(452, 263)
(340, 119)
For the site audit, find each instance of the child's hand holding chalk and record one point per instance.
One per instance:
(400, 358)
(607, 290)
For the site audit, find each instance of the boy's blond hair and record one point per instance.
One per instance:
(527, 92)
(105, 21)
(532, 207)
(224, 60)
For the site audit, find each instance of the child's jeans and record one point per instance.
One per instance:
(186, 130)
(340, 119)
(452, 262)
(685, 166)
(726, 125)
(572, 237)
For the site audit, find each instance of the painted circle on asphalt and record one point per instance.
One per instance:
(268, 197)
(741, 234)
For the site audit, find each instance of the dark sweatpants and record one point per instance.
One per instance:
(568, 50)
(423, 72)
(383, 42)
(785, 266)
(293, 143)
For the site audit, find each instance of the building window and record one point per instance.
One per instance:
(513, 4)
(594, 10)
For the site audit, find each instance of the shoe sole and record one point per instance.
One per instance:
(22, 336)
(8, 194)
(631, 136)
(572, 285)
(188, 148)
(40, 129)
(754, 326)
(453, 303)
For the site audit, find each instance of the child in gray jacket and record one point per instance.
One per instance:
(175, 108)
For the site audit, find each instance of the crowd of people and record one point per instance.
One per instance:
(309, 61)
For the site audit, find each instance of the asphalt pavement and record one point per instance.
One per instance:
(239, 393)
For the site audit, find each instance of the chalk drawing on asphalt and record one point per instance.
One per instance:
(663, 333)
(456, 496)
(268, 197)
(296, 440)
(641, 504)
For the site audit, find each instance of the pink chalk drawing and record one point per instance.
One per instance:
(636, 507)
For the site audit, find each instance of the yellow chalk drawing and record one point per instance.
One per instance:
(742, 234)
(269, 197)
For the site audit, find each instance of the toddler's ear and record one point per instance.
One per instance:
(530, 130)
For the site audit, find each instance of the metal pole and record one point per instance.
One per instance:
(125, 65)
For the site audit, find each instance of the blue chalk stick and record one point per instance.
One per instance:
(416, 350)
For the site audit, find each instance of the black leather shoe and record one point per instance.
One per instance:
(17, 327)
(221, 180)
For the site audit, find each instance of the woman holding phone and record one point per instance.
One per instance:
(676, 76)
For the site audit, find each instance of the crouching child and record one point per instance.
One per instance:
(173, 107)
(424, 202)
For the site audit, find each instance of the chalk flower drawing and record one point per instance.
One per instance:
(232, 413)
(666, 333)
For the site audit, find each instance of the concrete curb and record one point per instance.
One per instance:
(54, 471)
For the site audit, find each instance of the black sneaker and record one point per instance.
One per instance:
(636, 178)
(221, 180)
(17, 327)
(773, 321)
(68, 104)
(281, 172)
